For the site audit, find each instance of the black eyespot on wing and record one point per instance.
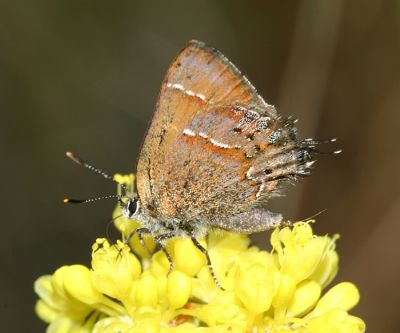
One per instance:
(250, 136)
(267, 171)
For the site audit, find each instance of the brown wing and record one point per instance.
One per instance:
(209, 130)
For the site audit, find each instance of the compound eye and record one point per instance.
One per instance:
(133, 206)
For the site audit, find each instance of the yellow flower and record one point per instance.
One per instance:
(277, 291)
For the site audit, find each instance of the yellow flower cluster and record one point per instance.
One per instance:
(276, 291)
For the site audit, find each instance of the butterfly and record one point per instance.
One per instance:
(214, 154)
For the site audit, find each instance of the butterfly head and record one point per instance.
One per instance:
(131, 207)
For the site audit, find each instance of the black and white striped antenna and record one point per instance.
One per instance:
(90, 167)
(80, 201)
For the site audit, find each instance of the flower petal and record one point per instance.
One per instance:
(146, 291)
(336, 321)
(306, 296)
(255, 288)
(328, 267)
(113, 324)
(187, 258)
(78, 283)
(179, 289)
(285, 291)
(45, 311)
(343, 296)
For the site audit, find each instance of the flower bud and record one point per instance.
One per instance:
(146, 290)
(179, 289)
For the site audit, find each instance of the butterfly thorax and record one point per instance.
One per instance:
(163, 225)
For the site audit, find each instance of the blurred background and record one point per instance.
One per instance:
(84, 76)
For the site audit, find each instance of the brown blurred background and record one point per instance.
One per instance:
(84, 76)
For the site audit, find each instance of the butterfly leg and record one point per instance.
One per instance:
(140, 232)
(141, 240)
(160, 240)
(210, 267)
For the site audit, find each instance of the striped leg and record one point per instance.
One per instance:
(140, 232)
(160, 239)
(210, 267)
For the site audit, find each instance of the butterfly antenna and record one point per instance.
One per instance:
(83, 163)
(80, 201)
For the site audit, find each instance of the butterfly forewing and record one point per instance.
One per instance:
(205, 151)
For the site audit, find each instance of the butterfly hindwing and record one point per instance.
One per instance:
(201, 156)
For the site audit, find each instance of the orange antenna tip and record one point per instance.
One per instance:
(74, 201)
(74, 158)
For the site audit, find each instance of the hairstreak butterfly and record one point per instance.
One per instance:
(214, 153)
